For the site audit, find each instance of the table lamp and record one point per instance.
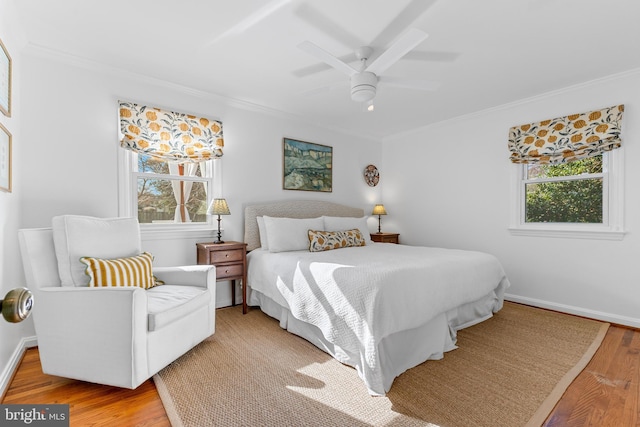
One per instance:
(379, 210)
(218, 207)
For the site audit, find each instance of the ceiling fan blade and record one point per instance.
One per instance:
(324, 89)
(322, 66)
(326, 57)
(405, 19)
(407, 41)
(409, 84)
(251, 20)
(311, 69)
(327, 26)
(437, 56)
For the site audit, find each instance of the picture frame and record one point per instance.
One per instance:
(5, 159)
(306, 166)
(5, 81)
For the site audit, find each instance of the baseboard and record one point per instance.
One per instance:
(12, 366)
(226, 302)
(578, 311)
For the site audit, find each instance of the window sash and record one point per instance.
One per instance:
(604, 175)
(597, 211)
(194, 205)
(613, 195)
(128, 199)
(560, 178)
(170, 177)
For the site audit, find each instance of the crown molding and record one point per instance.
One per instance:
(520, 102)
(40, 51)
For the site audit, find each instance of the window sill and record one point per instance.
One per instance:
(175, 233)
(568, 233)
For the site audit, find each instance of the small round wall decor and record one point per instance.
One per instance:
(371, 175)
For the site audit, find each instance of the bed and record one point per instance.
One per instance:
(381, 308)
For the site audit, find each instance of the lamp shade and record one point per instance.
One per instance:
(219, 207)
(378, 210)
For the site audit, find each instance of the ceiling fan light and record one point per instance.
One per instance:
(363, 86)
(363, 93)
(370, 106)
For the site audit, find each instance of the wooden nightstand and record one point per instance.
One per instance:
(385, 237)
(230, 259)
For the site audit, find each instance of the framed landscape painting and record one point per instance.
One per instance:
(306, 166)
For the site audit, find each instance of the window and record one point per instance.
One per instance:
(567, 175)
(565, 193)
(166, 167)
(164, 200)
(165, 195)
(575, 199)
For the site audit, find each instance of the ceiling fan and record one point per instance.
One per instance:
(250, 20)
(364, 80)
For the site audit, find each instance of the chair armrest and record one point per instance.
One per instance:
(203, 276)
(101, 305)
(95, 334)
(90, 313)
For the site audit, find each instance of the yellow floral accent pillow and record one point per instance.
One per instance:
(327, 240)
(132, 271)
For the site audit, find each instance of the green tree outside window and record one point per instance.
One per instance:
(575, 200)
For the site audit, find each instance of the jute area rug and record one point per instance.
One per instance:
(508, 371)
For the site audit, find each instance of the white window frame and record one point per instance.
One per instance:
(613, 205)
(128, 203)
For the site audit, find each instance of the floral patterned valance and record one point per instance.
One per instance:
(565, 139)
(170, 136)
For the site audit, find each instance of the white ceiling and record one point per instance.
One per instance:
(483, 52)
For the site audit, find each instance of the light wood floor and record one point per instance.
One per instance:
(606, 393)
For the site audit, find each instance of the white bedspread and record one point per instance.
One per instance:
(357, 296)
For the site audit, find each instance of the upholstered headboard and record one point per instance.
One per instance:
(290, 209)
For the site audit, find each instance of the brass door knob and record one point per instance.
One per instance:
(16, 305)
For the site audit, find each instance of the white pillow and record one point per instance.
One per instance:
(262, 230)
(76, 236)
(341, 223)
(290, 234)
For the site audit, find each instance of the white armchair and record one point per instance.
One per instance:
(118, 336)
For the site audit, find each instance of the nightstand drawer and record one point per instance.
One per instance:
(385, 237)
(226, 256)
(224, 271)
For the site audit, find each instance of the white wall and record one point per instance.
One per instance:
(73, 141)
(445, 185)
(66, 151)
(457, 195)
(13, 337)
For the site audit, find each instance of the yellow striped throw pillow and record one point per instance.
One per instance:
(132, 271)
